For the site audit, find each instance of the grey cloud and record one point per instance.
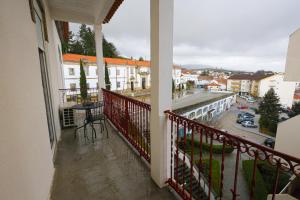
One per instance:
(248, 34)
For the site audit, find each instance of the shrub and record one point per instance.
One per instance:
(216, 148)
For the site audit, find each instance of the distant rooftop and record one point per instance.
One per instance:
(255, 76)
(113, 61)
(201, 98)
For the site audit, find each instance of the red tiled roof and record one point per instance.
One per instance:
(205, 78)
(297, 96)
(255, 76)
(112, 61)
(213, 84)
(221, 80)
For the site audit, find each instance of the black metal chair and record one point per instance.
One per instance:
(98, 117)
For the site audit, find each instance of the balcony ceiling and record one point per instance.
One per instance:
(83, 11)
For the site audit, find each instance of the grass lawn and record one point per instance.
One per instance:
(216, 173)
(265, 177)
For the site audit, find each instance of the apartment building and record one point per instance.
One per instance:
(259, 83)
(284, 89)
(123, 73)
(239, 83)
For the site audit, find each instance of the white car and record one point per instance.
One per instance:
(251, 100)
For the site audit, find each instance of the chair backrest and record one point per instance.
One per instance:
(98, 110)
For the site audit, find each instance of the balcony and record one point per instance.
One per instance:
(106, 169)
(205, 163)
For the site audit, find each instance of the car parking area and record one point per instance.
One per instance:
(227, 121)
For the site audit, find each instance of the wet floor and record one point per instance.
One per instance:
(107, 169)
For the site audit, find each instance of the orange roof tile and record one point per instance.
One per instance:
(213, 84)
(112, 61)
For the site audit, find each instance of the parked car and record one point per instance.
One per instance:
(249, 124)
(251, 100)
(245, 114)
(243, 119)
(269, 142)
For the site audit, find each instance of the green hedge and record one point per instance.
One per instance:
(260, 190)
(216, 148)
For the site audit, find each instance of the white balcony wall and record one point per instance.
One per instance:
(292, 67)
(287, 137)
(26, 167)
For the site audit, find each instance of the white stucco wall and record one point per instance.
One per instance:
(26, 167)
(285, 90)
(292, 67)
(287, 137)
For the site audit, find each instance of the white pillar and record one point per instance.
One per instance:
(99, 57)
(161, 87)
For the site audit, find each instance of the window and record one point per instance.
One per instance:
(71, 71)
(131, 71)
(73, 86)
(96, 71)
(108, 71)
(118, 84)
(199, 112)
(205, 109)
(118, 72)
(88, 85)
(192, 115)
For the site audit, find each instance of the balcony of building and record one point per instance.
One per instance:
(149, 150)
(106, 169)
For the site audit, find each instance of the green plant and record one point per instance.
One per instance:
(260, 190)
(216, 148)
(215, 173)
(265, 178)
(269, 109)
(83, 84)
(107, 79)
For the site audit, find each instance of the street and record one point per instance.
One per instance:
(227, 121)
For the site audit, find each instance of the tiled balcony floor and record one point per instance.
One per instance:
(107, 169)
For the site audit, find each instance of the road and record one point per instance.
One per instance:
(227, 121)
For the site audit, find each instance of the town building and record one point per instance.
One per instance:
(124, 74)
(189, 75)
(204, 106)
(284, 89)
(213, 87)
(259, 83)
(41, 161)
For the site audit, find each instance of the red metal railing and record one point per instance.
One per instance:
(194, 152)
(131, 118)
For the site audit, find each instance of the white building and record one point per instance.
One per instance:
(123, 73)
(188, 75)
(284, 89)
(205, 105)
(287, 136)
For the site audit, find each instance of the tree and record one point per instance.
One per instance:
(295, 109)
(173, 86)
(269, 111)
(141, 59)
(84, 43)
(87, 39)
(107, 79)
(109, 49)
(83, 84)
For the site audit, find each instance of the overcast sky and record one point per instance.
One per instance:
(234, 34)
